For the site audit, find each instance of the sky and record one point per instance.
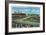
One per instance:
(27, 10)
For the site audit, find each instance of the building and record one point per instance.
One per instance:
(19, 15)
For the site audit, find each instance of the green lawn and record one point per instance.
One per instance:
(32, 19)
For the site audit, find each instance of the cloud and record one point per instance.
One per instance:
(28, 10)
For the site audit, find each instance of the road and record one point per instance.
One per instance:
(23, 18)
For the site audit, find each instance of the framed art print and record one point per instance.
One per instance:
(24, 17)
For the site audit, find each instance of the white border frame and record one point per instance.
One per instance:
(25, 29)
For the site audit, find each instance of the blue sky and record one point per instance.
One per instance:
(27, 10)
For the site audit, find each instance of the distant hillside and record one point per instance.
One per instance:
(33, 14)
